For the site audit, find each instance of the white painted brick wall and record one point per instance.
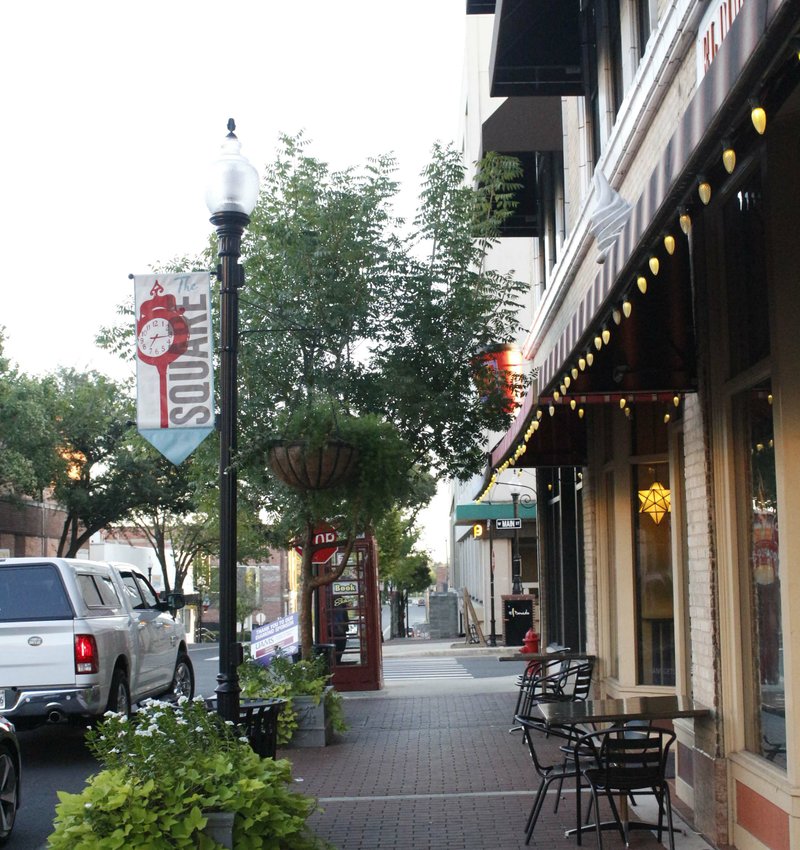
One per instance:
(702, 597)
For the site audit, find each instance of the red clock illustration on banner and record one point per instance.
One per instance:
(162, 335)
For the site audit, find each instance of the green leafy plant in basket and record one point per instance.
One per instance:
(286, 679)
(163, 770)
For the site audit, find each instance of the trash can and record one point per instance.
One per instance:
(259, 720)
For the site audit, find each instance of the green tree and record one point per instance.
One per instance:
(381, 323)
(28, 438)
(107, 471)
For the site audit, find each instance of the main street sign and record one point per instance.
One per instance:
(507, 524)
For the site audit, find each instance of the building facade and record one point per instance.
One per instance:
(664, 423)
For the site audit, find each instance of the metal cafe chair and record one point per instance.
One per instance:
(567, 681)
(625, 761)
(549, 772)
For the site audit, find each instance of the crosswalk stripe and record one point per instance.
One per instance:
(424, 668)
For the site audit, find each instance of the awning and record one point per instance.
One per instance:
(480, 7)
(751, 46)
(472, 513)
(524, 124)
(536, 48)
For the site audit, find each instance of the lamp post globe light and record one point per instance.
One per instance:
(231, 196)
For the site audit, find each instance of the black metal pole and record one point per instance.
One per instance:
(516, 564)
(492, 625)
(230, 226)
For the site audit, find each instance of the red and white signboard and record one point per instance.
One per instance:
(323, 534)
(174, 373)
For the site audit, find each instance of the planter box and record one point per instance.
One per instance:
(220, 827)
(314, 727)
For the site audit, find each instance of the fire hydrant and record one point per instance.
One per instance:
(530, 642)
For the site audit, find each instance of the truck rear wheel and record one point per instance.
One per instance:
(9, 793)
(119, 699)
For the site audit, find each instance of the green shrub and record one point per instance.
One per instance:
(165, 767)
(285, 679)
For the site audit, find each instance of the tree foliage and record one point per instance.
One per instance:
(28, 438)
(108, 472)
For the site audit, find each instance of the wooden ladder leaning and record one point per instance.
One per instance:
(472, 625)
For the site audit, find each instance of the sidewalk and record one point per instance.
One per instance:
(427, 771)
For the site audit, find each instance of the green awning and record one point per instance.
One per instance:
(472, 513)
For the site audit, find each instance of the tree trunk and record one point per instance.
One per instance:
(309, 583)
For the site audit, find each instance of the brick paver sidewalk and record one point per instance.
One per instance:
(433, 772)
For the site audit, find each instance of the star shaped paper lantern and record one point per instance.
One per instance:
(655, 502)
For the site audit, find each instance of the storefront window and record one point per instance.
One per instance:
(763, 641)
(655, 615)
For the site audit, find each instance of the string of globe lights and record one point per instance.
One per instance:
(620, 312)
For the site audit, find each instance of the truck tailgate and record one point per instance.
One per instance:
(37, 652)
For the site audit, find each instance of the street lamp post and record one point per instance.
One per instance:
(231, 196)
(516, 560)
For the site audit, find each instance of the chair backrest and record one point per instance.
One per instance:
(531, 726)
(631, 758)
(576, 679)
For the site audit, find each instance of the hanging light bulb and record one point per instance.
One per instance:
(666, 418)
(616, 315)
(606, 335)
(628, 412)
(538, 414)
(728, 156)
(704, 189)
(567, 381)
(622, 404)
(758, 116)
(551, 410)
(556, 396)
(654, 265)
(581, 411)
(641, 282)
(676, 400)
(669, 244)
(685, 221)
(572, 403)
(574, 373)
(536, 423)
(626, 308)
(563, 389)
(598, 342)
(589, 358)
(581, 363)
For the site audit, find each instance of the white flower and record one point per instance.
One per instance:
(199, 729)
(87, 805)
(182, 700)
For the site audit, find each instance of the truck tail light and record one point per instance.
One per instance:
(85, 654)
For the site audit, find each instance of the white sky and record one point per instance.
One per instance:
(112, 112)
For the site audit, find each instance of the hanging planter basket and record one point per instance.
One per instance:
(312, 469)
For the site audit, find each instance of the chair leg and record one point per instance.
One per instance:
(537, 808)
(670, 826)
(615, 812)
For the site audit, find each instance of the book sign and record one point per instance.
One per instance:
(282, 634)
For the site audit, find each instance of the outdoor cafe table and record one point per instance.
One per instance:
(619, 711)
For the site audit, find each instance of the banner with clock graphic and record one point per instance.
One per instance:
(174, 368)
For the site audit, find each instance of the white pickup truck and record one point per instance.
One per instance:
(78, 638)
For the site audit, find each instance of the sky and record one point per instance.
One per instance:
(111, 114)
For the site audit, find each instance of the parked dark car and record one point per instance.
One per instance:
(10, 769)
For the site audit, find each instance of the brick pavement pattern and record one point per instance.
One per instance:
(429, 773)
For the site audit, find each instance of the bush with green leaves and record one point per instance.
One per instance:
(286, 679)
(167, 766)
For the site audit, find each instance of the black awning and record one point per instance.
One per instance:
(480, 7)
(524, 124)
(536, 49)
(526, 218)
